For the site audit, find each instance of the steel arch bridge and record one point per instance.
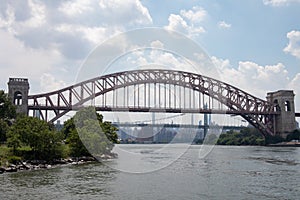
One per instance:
(153, 90)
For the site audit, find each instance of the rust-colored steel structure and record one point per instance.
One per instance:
(153, 90)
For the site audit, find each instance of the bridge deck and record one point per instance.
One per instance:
(147, 109)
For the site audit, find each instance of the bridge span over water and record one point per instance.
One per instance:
(154, 90)
(177, 126)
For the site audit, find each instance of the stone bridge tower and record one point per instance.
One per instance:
(18, 89)
(285, 122)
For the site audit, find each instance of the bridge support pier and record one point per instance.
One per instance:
(285, 122)
(18, 89)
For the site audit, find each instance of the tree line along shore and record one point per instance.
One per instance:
(30, 143)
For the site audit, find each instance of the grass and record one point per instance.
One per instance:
(25, 152)
(5, 154)
(65, 150)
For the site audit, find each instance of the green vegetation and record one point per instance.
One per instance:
(294, 136)
(7, 113)
(29, 138)
(7, 109)
(98, 136)
(247, 136)
(251, 136)
(44, 142)
(5, 153)
(273, 139)
(3, 130)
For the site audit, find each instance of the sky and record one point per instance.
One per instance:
(254, 44)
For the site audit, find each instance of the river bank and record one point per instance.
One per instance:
(286, 144)
(42, 164)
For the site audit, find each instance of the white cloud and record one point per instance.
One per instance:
(294, 44)
(259, 80)
(67, 24)
(188, 22)
(155, 57)
(53, 37)
(157, 44)
(36, 17)
(19, 60)
(130, 11)
(177, 23)
(111, 12)
(38, 14)
(280, 2)
(8, 20)
(224, 25)
(254, 78)
(196, 15)
(90, 34)
(73, 8)
(49, 83)
(295, 85)
(168, 59)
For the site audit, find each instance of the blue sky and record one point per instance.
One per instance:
(258, 32)
(255, 44)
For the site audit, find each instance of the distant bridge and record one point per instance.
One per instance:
(153, 90)
(177, 126)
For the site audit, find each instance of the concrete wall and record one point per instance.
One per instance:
(285, 123)
(18, 89)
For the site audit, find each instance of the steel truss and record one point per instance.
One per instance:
(256, 111)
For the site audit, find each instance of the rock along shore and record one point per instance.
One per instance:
(42, 164)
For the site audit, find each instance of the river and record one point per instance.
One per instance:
(227, 172)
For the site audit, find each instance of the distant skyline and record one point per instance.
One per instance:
(255, 44)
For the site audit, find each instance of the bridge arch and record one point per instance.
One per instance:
(256, 111)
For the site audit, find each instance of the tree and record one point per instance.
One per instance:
(247, 136)
(77, 148)
(3, 130)
(68, 128)
(87, 133)
(273, 139)
(44, 142)
(94, 138)
(295, 135)
(7, 112)
(13, 141)
(7, 109)
(110, 131)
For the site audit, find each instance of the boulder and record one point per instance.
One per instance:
(2, 170)
(11, 169)
(25, 166)
(86, 158)
(59, 162)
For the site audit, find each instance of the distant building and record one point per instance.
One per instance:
(145, 135)
(58, 126)
(165, 135)
(199, 134)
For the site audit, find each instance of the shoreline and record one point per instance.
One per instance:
(32, 165)
(285, 144)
